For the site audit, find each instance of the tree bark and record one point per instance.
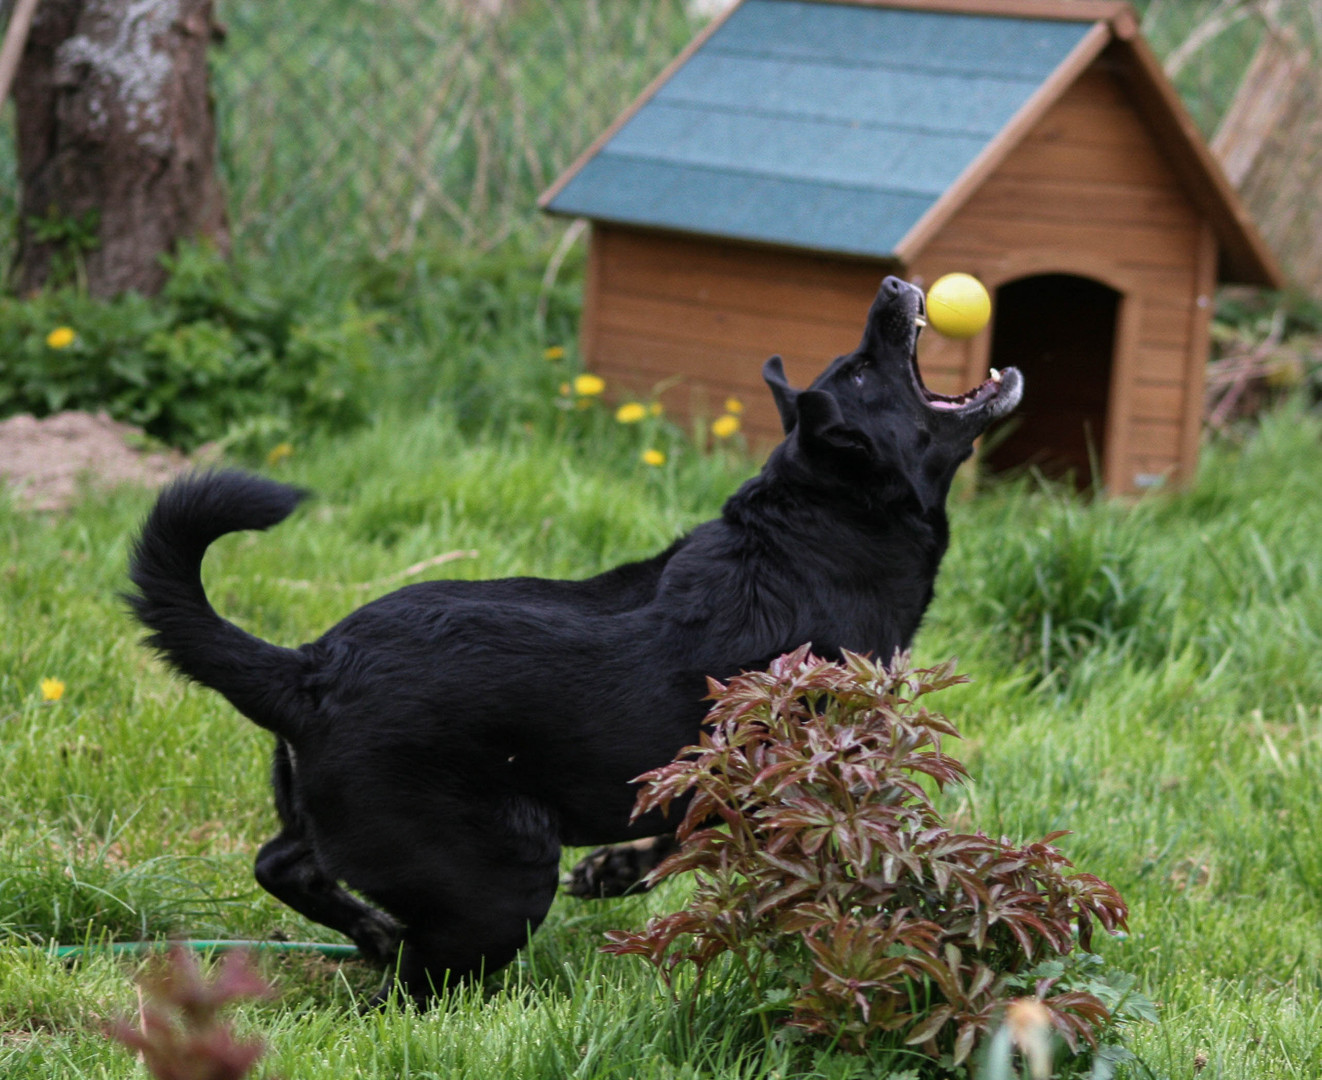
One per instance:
(116, 141)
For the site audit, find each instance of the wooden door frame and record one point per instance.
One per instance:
(1128, 318)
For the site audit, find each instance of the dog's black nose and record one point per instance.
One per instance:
(894, 288)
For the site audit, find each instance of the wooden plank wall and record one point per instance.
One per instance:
(699, 317)
(1089, 191)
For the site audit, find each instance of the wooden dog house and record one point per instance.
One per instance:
(750, 200)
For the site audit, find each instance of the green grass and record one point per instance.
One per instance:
(1173, 725)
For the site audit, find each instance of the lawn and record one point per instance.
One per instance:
(1143, 676)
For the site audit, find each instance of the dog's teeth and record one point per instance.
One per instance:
(919, 320)
(996, 375)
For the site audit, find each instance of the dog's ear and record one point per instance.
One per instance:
(773, 371)
(823, 426)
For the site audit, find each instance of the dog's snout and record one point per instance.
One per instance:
(894, 289)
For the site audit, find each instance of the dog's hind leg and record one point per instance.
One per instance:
(287, 868)
(465, 945)
(618, 869)
(471, 906)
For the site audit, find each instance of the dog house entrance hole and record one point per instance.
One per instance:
(1059, 331)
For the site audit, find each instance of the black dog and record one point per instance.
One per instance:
(439, 745)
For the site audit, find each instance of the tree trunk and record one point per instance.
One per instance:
(116, 142)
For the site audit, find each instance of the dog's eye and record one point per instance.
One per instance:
(859, 376)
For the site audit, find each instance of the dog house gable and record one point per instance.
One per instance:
(750, 200)
(1103, 232)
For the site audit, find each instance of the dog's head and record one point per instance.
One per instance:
(869, 422)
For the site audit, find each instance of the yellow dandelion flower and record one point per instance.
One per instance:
(655, 458)
(656, 408)
(589, 385)
(734, 406)
(553, 352)
(52, 689)
(279, 452)
(630, 412)
(61, 337)
(725, 426)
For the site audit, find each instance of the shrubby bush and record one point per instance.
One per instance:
(213, 357)
(822, 864)
(251, 355)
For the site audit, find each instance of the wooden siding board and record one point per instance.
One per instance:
(1159, 285)
(1195, 372)
(683, 306)
(1162, 363)
(592, 292)
(699, 363)
(1158, 401)
(1154, 438)
(772, 266)
(756, 283)
(667, 320)
(1167, 323)
(1035, 158)
(1064, 200)
(1170, 249)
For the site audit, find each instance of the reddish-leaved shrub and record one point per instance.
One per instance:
(182, 1035)
(822, 864)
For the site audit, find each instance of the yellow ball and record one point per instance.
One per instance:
(958, 305)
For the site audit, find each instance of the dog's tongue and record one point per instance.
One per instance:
(963, 401)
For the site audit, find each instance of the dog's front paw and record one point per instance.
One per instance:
(619, 869)
(377, 936)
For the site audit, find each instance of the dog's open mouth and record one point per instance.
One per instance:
(1002, 390)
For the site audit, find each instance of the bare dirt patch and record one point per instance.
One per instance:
(50, 462)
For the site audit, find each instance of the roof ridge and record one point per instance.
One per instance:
(1119, 13)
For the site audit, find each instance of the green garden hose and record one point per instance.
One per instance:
(136, 948)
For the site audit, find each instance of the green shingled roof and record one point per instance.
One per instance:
(830, 127)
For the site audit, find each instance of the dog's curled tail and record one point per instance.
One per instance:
(261, 680)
